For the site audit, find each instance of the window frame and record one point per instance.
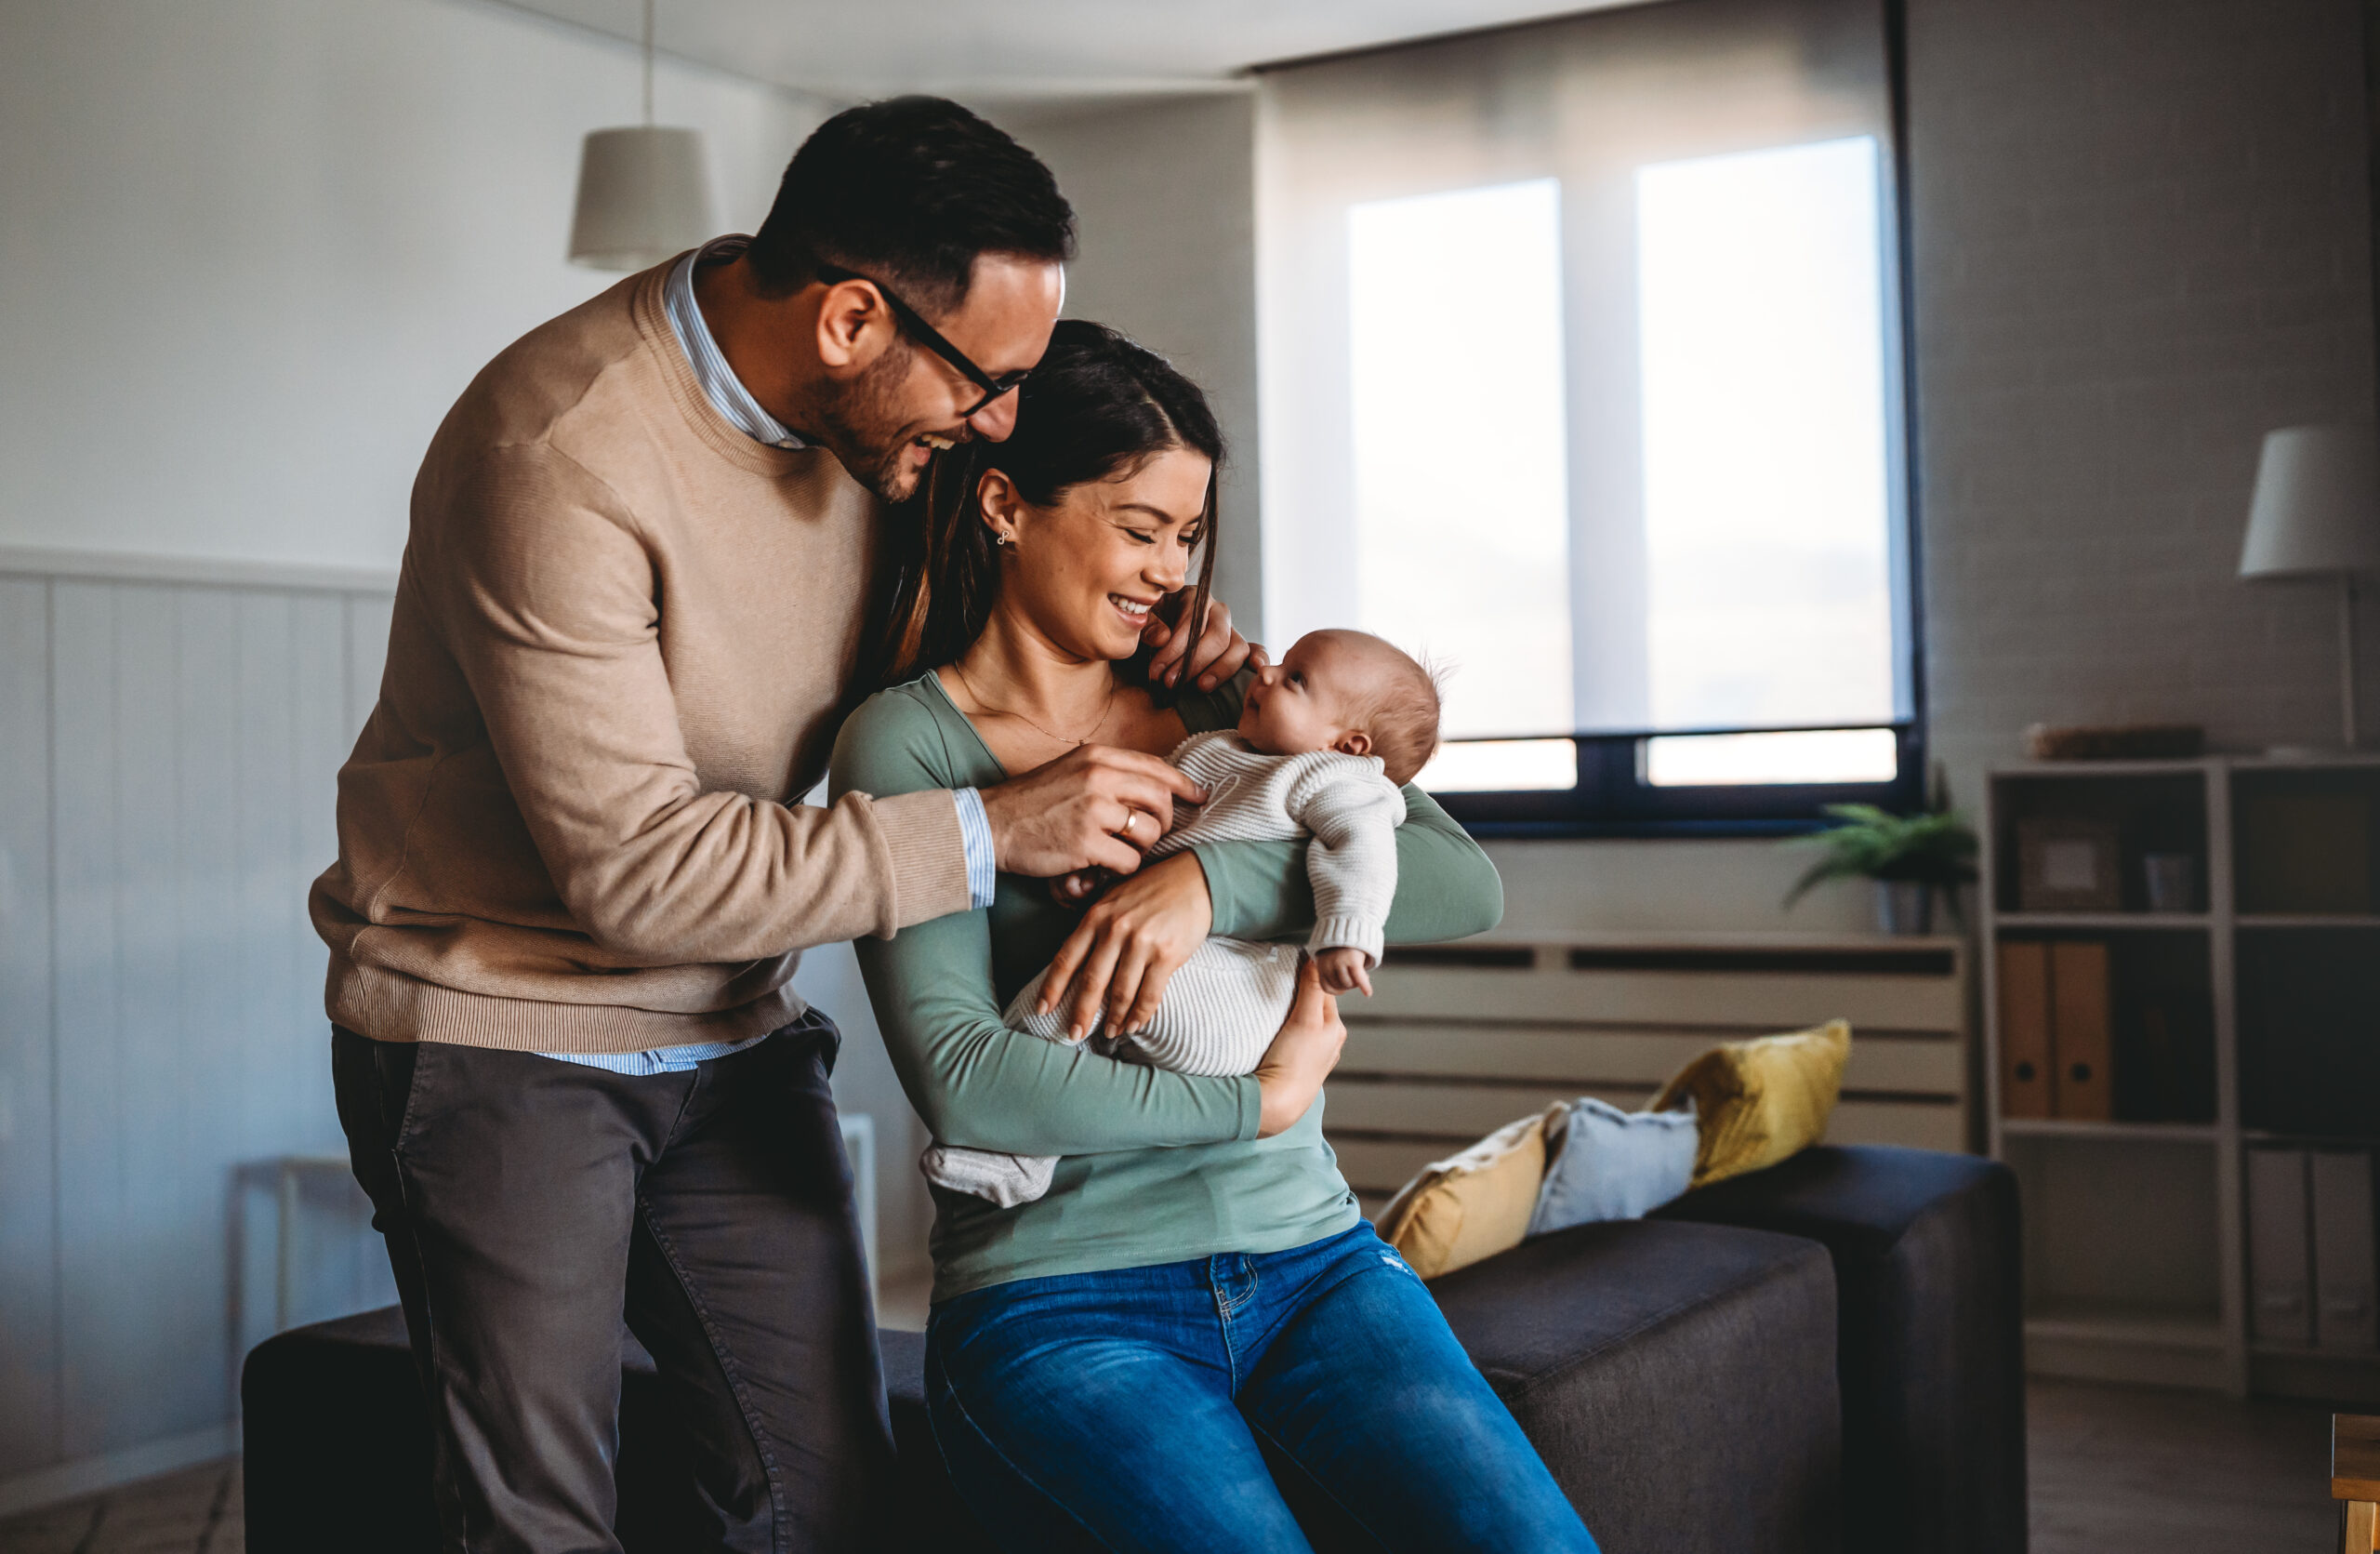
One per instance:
(1612, 799)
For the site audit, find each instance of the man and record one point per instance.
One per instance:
(570, 886)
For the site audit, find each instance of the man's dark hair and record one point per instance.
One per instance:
(908, 192)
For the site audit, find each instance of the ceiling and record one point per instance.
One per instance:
(1025, 51)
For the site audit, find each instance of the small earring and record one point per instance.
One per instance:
(1005, 541)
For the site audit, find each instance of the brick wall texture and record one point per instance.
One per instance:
(2141, 238)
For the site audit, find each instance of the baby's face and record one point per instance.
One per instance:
(1309, 699)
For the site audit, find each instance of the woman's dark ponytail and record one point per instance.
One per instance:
(1095, 404)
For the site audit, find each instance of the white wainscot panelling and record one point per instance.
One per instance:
(168, 760)
(1460, 1040)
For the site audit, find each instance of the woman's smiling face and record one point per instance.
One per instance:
(1086, 571)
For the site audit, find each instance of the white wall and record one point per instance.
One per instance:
(2143, 237)
(1165, 196)
(252, 249)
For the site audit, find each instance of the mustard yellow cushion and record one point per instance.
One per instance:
(1761, 1101)
(1470, 1205)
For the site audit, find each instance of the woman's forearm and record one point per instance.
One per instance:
(1446, 887)
(979, 1086)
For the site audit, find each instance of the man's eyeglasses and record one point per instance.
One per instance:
(931, 337)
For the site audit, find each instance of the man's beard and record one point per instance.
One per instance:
(862, 428)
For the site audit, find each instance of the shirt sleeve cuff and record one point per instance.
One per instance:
(975, 836)
(1251, 1107)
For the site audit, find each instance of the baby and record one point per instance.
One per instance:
(1326, 737)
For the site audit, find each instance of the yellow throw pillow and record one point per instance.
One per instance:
(1470, 1205)
(1762, 1101)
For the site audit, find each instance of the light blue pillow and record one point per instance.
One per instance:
(1613, 1165)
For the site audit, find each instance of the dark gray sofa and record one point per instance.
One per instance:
(1822, 1356)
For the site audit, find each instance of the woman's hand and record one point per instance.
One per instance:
(1129, 945)
(1214, 653)
(1301, 1057)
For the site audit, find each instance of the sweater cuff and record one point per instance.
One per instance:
(928, 854)
(1252, 1107)
(1348, 932)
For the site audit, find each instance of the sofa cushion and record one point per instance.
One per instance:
(1606, 1163)
(1761, 1101)
(336, 1446)
(938, 1519)
(1930, 1333)
(1679, 1380)
(1473, 1204)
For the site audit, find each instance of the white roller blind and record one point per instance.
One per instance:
(1580, 371)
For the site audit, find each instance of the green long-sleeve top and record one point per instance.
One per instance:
(1157, 1167)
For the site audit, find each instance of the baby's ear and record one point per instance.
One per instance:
(1353, 742)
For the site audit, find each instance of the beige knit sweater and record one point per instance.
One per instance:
(621, 630)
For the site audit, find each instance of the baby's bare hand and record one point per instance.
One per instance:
(1344, 971)
(1078, 889)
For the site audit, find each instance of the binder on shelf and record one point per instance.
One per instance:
(2280, 1263)
(2082, 1039)
(2024, 1029)
(2347, 1304)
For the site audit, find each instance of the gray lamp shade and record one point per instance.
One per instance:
(643, 194)
(2317, 508)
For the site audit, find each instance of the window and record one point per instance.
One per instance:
(1484, 593)
(1582, 369)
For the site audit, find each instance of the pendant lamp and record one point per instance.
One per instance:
(643, 191)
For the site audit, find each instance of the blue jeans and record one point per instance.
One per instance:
(1131, 1410)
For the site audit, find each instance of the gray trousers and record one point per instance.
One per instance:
(530, 1205)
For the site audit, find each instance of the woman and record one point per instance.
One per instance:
(1108, 1366)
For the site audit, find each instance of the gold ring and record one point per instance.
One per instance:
(1131, 818)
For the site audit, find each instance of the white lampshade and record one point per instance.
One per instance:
(643, 194)
(2317, 508)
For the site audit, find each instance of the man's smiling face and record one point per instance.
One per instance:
(889, 422)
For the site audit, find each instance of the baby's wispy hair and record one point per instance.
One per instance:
(1403, 717)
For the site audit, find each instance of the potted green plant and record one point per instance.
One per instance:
(1910, 856)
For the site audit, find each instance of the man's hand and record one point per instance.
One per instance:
(1097, 807)
(1128, 946)
(1345, 970)
(1301, 1057)
(1213, 654)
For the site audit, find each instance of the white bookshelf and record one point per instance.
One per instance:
(2135, 1241)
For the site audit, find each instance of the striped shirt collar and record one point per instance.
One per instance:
(720, 386)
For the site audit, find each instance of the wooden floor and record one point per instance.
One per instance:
(195, 1511)
(2113, 1470)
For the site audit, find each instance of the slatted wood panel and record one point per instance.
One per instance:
(1549, 990)
(1447, 1052)
(168, 755)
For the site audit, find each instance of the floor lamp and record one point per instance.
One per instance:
(2317, 514)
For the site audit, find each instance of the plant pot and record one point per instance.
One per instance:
(1904, 907)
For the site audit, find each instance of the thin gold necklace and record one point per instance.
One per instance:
(1106, 708)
